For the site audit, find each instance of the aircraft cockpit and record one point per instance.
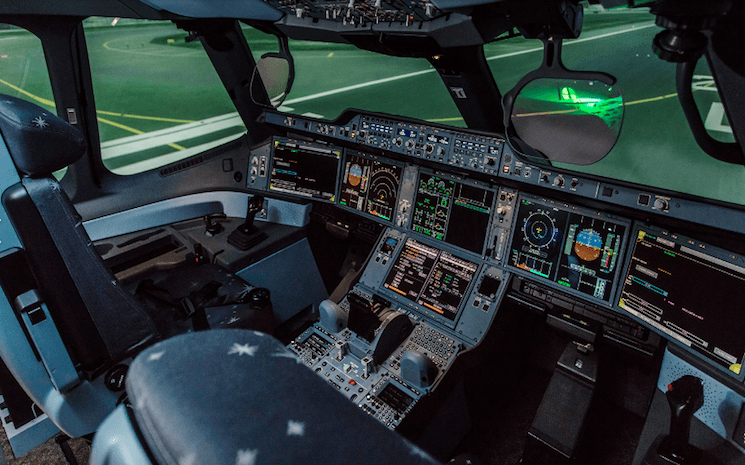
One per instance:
(381, 231)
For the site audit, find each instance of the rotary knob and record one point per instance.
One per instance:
(558, 181)
(661, 204)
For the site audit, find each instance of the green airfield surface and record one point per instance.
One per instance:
(147, 78)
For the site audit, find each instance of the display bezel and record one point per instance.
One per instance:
(307, 146)
(708, 249)
(421, 309)
(569, 208)
(348, 153)
(469, 183)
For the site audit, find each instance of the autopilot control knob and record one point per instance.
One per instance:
(398, 141)
(558, 181)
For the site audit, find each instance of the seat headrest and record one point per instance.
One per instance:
(38, 141)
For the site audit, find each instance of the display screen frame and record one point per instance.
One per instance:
(320, 150)
(568, 209)
(712, 251)
(468, 183)
(419, 307)
(347, 155)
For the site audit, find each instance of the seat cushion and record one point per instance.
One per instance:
(240, 397)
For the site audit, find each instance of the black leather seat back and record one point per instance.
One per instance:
(98, 320)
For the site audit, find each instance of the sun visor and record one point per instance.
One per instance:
(240, 9)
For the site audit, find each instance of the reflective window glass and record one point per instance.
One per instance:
(158, 97)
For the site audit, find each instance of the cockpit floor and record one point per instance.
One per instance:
(48, 453)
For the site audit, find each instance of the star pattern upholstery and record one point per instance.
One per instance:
(239, 397)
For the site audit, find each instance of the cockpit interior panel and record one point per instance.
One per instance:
(444, 280)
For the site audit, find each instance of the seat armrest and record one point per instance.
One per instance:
(45, 336)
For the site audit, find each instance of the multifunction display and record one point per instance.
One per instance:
(306, 170)
(579, 251)
(452, 211)
(370, 186)
(432, 278)
(690, 295)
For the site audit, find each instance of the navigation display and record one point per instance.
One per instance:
(370, 186)
(686, 292)
(452, 211)
(578, 251)
(432, 278)
(306, 170)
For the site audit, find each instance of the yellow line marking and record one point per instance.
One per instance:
(157, 118)
(136, 131)
(330, 55)
(153, 118)
(105, 121)
(653, 99)
(544, 113)
(29, 94)
(443, 120)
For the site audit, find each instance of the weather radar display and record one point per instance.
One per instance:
(370, 186)
(574, 250)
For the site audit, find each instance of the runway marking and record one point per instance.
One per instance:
(41, 100)
(168, 136)
(103, 120)
(653, 99)
(399, 77)
(136, 131)
(715, 118)
(151, 118)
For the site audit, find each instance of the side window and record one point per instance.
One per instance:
(23, 69)
(158, 98)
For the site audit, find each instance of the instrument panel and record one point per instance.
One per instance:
(455, 235)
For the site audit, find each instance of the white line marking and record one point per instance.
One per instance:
(715, 118)
(162, 160)
(432, 70)
(140, 142)
(358, 86)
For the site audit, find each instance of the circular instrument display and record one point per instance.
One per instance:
(355, 175)
(539, 229)
(588, 245)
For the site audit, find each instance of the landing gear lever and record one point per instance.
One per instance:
(247, 235)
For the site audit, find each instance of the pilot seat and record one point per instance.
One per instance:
(65, 303)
